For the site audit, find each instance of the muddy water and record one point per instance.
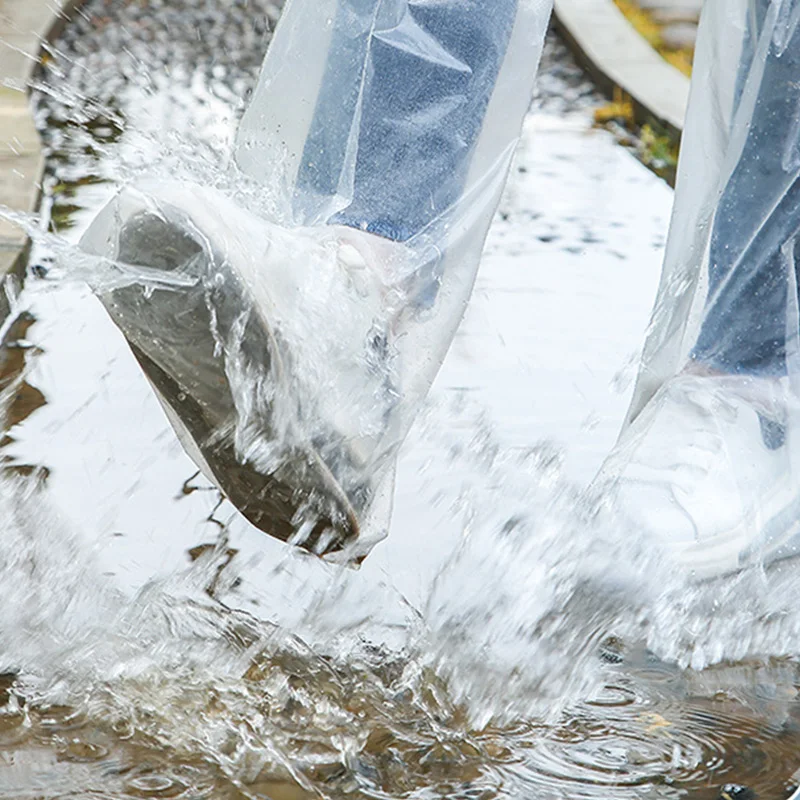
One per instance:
(153, 645)
(295, 726)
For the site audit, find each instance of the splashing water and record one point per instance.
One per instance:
(541, 649)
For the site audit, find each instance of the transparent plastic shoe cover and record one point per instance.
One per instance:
(723, 341)
(292, 348)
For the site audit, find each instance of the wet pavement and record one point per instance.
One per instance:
(171, 660)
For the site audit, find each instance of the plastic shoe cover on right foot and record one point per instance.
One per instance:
(293, 343)
(708, 470)
(270, 350)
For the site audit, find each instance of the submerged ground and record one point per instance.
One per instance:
(156, 646)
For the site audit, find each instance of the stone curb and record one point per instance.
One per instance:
(617, 57)
(25, 26)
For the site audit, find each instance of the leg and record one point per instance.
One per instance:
(430, 67)
(708, 468)
(751, 261)
(294, 360)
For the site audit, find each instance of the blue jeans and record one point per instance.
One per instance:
(431, 68)
(754, 244)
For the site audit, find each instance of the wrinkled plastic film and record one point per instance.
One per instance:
(381, 133)
(727, 302)
(381, 94)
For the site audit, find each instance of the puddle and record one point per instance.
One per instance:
(144, 636)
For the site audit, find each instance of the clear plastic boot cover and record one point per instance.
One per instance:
(292, 341)
(721, 355)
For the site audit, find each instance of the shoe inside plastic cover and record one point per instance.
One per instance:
(709, 459)
(728, 299)
(292, 341)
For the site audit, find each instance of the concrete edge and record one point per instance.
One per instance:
(26, 26)
(617, 57)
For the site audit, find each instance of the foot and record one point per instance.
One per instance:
(268, 349)
(709, 470)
